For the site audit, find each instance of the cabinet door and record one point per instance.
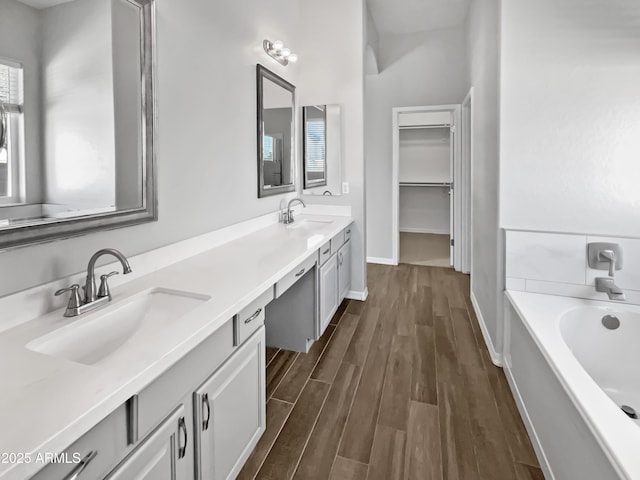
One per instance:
(344, 270)
(230, 412)
(328, 291)
(161, 456)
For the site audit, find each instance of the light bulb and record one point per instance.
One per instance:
(285, 52)
(277, 45)
(293, 58)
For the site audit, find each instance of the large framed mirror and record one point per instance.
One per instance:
(78, 110)
(276, 134)
(322, 150)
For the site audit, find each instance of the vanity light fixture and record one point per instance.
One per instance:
(279, 52)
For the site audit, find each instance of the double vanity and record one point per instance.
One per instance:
(167, 380)
(162, 376)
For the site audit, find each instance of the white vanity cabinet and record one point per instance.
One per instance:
(334, 276)
(344, 270)
(230, 412)
(200, 419)
(161, 456)
(328, 291)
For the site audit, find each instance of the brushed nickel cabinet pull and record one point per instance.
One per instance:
(253, 317)
(300, 272)
(326, 251)
(182, 426)
(75, 473)
(205, 403)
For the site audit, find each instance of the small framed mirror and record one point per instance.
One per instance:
(321, 149)
(276, 140)
(77, 119)
(314, 146)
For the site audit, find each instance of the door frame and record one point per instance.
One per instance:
(467, 144)
(454, 109)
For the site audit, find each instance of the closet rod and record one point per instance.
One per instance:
(425, 184)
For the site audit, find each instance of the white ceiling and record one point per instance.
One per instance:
(43, 3)
(412, 16)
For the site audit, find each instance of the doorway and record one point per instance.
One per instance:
(427, 208)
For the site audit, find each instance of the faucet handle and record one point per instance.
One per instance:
(103, 290)
(609, 256)
(74, 298)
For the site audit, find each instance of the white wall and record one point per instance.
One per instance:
(207, 175)
(424, 210)
(331, 72)
(483, 23)
(77, 96)
(372, 44)
(20, 42)
(419, 69)
(571, 116)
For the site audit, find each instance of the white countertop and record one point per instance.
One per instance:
(46, 403)
(617, 435)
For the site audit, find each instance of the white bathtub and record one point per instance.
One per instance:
(570, 375)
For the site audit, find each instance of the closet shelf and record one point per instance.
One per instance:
(426, 184)
(419, 127)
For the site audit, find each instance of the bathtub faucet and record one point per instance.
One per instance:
(606, 285)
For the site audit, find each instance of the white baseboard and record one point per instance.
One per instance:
(424, 230)
(496, 357)
(355, 295)
(381, 261)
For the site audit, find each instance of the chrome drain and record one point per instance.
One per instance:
(629, 411)
(610, 322)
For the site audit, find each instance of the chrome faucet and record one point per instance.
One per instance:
(93, 299)
(606, 256)
(606, 285)
(287, 217)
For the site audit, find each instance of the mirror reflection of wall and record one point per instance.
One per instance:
(322, 150)
(275, 123)
(70, 82)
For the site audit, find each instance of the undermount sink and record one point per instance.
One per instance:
(307, 223)
(95, 336)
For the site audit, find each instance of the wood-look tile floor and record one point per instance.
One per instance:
(399, 387)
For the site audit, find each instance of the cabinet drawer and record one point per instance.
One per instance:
(347, 234)
(324, 253)
(294, 275)
(167, 392)
(252, 317)
(337, 241)
(101, 448)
